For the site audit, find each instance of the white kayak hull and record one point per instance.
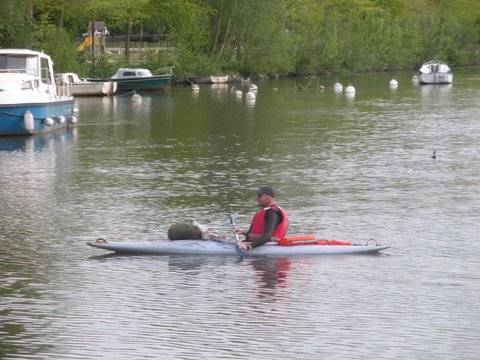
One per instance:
(208, 247)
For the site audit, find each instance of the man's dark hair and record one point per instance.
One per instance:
(266, 190)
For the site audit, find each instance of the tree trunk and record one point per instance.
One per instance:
(225, 38)
(29, 9)
(217, 35)
(61, 15)
(127, 40)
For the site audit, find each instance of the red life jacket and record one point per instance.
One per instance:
(257, 228)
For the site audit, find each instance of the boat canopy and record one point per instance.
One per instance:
(67, 78)
(434, 67)
(126, 73)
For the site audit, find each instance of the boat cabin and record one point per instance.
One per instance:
(67, 78)
(25, 74)
(126, 73)
(433, 67)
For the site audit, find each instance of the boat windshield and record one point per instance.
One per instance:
(18, 64)
(443, 68)
(144, 73)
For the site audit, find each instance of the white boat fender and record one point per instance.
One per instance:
(250, 95)
(76, 110)
(350, 89)
(137, 98)
(337, 87)
(28, 121)
(48, 121)
(61, 119)
(393, 83)
(73, 120)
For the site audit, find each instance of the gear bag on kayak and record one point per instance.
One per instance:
(184, 231)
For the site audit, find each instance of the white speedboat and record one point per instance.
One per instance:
(29, 102)
(435, 72)
(79, 87)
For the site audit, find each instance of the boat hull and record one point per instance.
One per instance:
(12, 117)
(435, 78)
(151, 83)
(93, 88)
(201, 247)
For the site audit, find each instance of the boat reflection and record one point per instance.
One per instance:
(435, 90)
(37, 143)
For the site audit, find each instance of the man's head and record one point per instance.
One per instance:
(265, 196)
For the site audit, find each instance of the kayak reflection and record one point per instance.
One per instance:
(271, 275)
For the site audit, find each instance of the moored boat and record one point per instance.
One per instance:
(78, 87)
(129, 79)
(29, 101)
(217, 247)
(435, 72)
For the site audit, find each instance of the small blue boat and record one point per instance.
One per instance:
(29, 99)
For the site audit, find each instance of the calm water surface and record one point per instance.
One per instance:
(354, 169)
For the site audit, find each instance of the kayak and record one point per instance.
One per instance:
(218, 247)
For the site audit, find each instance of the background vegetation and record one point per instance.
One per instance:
(284, 37)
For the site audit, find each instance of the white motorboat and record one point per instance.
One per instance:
(29, 98)
(435, 72)
(80, 87)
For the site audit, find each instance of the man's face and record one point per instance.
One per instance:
(262, 200)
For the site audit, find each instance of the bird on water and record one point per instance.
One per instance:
(434, 156)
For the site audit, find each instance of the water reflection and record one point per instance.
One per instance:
(435, 90)
(271, 276)
(355, 172)
(109, 104)
(250, 103)
(38, 143)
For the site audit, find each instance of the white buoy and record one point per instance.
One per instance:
(253, 87)
(61, 119)
(393, 83)
(238, 93)
(250, 95)
(350, 89)
(337, 87)
(195, 87)
(48, 121)
(28, 121)
(137, 98)
(73, 120)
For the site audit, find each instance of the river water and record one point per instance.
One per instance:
(346, 168)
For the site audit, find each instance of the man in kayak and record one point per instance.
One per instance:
(268, 224)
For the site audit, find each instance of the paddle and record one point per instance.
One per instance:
(231, 219)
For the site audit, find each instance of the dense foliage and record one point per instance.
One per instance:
(254, 37)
